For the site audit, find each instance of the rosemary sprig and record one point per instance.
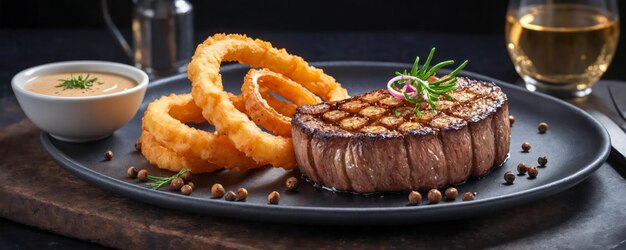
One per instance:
(429, 91)
(157, 182)
(79, 82)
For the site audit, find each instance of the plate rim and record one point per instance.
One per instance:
(334, 215)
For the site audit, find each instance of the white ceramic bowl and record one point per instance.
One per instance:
(81, 119)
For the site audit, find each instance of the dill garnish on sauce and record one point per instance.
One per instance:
(80, 82)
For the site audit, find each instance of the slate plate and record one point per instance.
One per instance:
(576, 145)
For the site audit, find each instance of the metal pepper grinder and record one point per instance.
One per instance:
(162, 35)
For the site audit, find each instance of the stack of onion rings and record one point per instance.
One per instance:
(238, 142)
(208, 92)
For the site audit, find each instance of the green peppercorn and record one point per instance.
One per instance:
(230, 196)
(509, 177)
(177, 184)
(468, 196)
(143, 175)
(526, 147)
(542, 127)
(217, 190)
(108, 155)
(451, 193)
(242, 194)
(522, 168)
(533, 172)
(186, 190)
(132, 172)
(434, 196)
(415, 198)
(273, 198)
(542, 160)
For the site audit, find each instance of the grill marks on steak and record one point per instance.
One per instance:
(376, 143)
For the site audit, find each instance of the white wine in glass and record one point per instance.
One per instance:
(562, 47)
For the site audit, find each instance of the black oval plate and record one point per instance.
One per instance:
(575, 145)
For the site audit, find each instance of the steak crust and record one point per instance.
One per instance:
(376, 143)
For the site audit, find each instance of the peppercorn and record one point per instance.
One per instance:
(138, 146)
(191, 185)
(217, 190)
(468, 196)
(509, 177)
(533, 172)
(187, 177)
(415, 198)
(143, 175)
(451, 193)
(292, 183)
(522, 168)
(186, 190)
(525, 147)
(230, 196)
(542, 127)
(542, 160)
(108, 155)
(242, 194)
(511, 120)
(434, 196)
(273, 198)
(177, 184)
(132, 172)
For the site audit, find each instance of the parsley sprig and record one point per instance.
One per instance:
(429, 91)
(79, 82)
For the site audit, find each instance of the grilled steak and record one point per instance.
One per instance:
(376, 143)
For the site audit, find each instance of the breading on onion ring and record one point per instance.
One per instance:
(164, 119)
(165, 158)
(208, 92)
(258, 108)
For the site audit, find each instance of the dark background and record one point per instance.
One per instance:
(447, 16)
(38, 32)
(475, 16)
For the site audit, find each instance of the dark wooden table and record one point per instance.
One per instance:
(35, 191)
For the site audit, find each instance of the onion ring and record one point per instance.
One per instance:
(167, 127)
(208, 92)
(286, 109)
(238, 102)
(258, 108)
(165, 158)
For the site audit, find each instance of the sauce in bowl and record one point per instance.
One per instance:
(76, 84)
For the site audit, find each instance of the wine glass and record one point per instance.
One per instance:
(562, 47)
